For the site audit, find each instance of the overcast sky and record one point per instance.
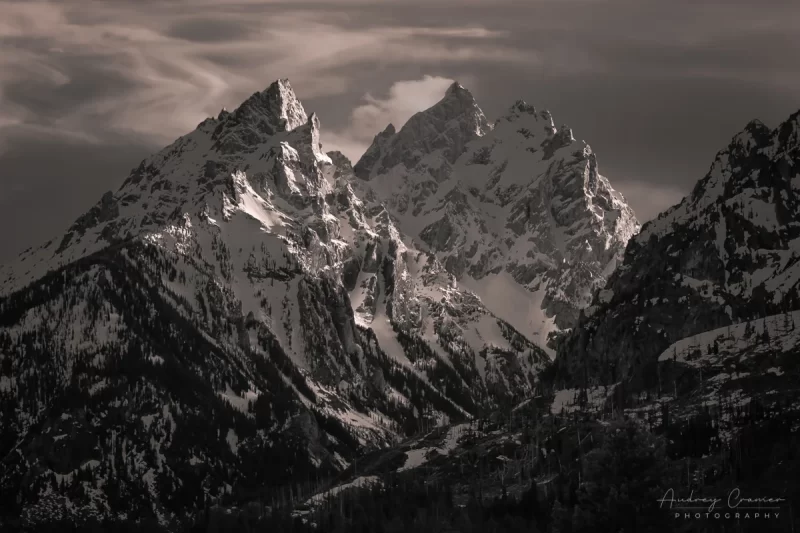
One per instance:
(88, 89)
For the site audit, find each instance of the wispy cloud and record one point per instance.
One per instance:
(171, 66)
(171, 72)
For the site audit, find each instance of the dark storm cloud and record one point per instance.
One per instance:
(655, 87)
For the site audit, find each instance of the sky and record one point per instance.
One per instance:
(656, 87)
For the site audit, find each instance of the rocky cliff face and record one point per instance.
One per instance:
(695, 337)
(516, 210)
(247, 312)
(728, 253)
(236, 299)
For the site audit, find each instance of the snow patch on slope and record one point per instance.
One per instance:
(516, 305)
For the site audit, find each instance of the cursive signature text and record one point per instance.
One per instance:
(735, 501)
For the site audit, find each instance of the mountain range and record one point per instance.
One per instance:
(248, 313)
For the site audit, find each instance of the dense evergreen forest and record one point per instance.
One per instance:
(614, 487)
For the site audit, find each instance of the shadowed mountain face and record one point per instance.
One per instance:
(728, 253)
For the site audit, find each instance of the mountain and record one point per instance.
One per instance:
(682, 374)
(728, 254)
(695, 333)
(233, 319)
(182, 332)
(516, 209)
(249, 323)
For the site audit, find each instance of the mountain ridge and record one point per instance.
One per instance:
(237, 261)
(740, 221)
(310, 311)
(449, 185)
(693, 342)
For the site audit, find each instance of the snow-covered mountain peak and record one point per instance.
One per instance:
(456, 90)
(264, 160)
(518, 200)
(458, 104)
(756, 125)
(432, 139)
(277, 103)
(264, 114)
(521, 107)
(753, 136)
(755, 166)
(250, 199)
(728, 252)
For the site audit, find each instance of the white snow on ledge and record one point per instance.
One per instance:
(566, 400)
(516, 305)
(360, 482)
(416, 457)
(780, 328)
(239, 402)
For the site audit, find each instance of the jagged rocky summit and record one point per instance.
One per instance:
(515, 209)
(728, 253)
(243, 297)
(698, 327)
(694, 338)
(248, 312)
